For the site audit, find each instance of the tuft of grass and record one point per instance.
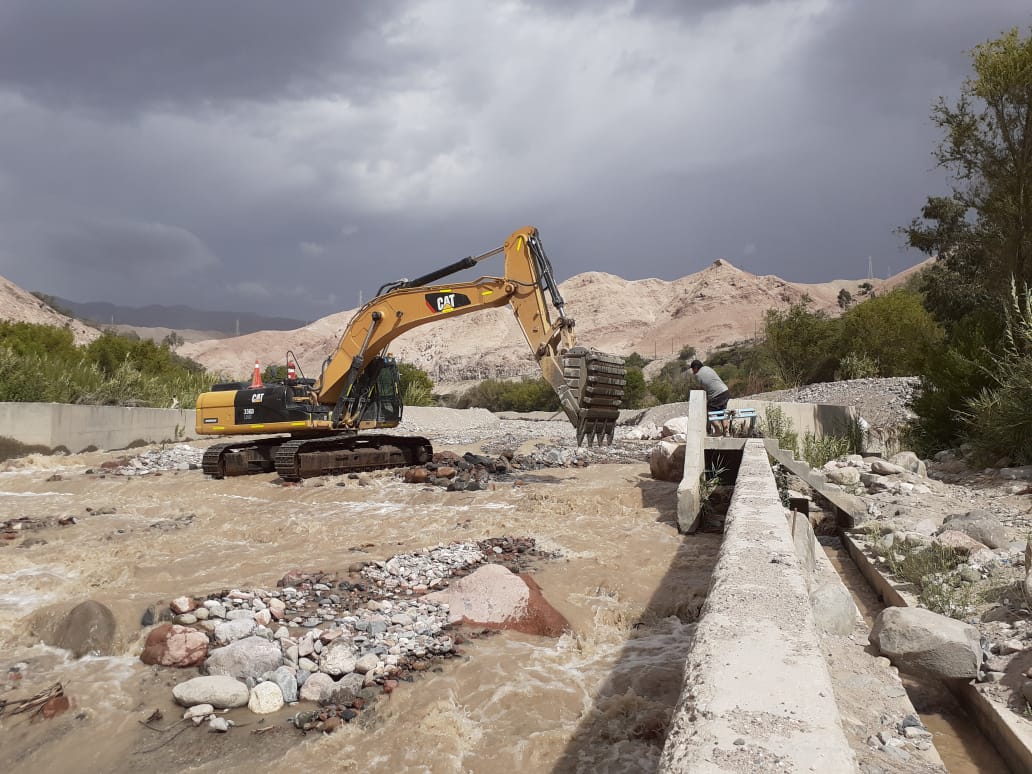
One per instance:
(932, 571)
(776, 424)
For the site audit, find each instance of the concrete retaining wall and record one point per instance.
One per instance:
(816, 418)
(756, 652)
(76, 428)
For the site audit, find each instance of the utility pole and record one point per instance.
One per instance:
(870, 268)
(359, 299)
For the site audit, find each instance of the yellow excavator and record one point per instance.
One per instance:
(359, 387)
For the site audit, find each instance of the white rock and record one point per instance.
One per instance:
(198, 711)
(265, 698)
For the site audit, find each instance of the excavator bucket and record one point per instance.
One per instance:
(596, 381)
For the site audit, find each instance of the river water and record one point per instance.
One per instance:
(596, 699)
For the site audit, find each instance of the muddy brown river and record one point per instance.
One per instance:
(596, 699)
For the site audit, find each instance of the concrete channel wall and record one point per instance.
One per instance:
(756, 651)
(75, 428)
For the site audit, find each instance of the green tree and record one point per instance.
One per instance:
(845, 299)
(173, 341)
(801, 343)
(635, 391)
(895, 331)
(980, 234)
(673, 383)
(635, 360)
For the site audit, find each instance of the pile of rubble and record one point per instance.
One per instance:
(336, 642)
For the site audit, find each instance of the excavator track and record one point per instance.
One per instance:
(239, 458)
(596, 381)
(348, 453)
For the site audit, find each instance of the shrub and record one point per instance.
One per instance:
(524, 395)
(857, 365)
(998, 420)
(818, 450)
(933, 571)
(894, 332)
(417, 389)
(776, 425)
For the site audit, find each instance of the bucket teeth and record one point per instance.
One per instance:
(596, 381)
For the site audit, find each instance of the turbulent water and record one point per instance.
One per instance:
(596, 699)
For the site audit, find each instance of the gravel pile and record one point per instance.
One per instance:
(882, 402)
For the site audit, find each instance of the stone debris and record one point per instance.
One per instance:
(317, 637)
(179, 457)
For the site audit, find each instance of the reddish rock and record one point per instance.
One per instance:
(183, 605)
(277, 607)
(291, 579)
(416, 476)
(332, 724)
(541, 618)
(389, 686)
(446, 457)
(495, 598)
(55, 707)
(175, 646)
(446, 472)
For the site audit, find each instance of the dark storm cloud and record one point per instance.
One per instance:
(133, 53)
(295, 156)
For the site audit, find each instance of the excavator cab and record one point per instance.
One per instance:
(375, 398)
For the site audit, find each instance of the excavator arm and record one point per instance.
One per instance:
(589, 384)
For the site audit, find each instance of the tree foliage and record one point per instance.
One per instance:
(894, 331)
(800, 342)
(980, 235)
(497, 395)
(40, 363)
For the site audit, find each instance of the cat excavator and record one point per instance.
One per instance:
(359, 386)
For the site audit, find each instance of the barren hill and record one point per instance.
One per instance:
(18, 305)
(719, 305)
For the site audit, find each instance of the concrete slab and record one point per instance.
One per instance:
(689, 498)
(757, 694)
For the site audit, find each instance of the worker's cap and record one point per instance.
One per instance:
(695, 365)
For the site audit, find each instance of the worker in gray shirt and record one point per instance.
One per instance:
(717, 394)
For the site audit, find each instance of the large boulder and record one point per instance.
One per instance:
(338, 659)
(493, 597)
(666, 461)
(172, 645)
(219, 691)
(247, 659)
(318, 688)
(923, 642)
(833, 608)
(979, 525)
(909, 461)
(847, 477)
(88, 628)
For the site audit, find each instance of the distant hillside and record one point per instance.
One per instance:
(719, 305)
(176, 318)
(18, 305)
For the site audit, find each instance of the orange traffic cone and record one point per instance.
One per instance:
(256, 380)
(291, 373)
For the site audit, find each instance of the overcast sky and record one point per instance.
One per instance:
(286, 156)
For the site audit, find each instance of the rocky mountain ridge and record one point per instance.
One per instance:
(718, 305)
